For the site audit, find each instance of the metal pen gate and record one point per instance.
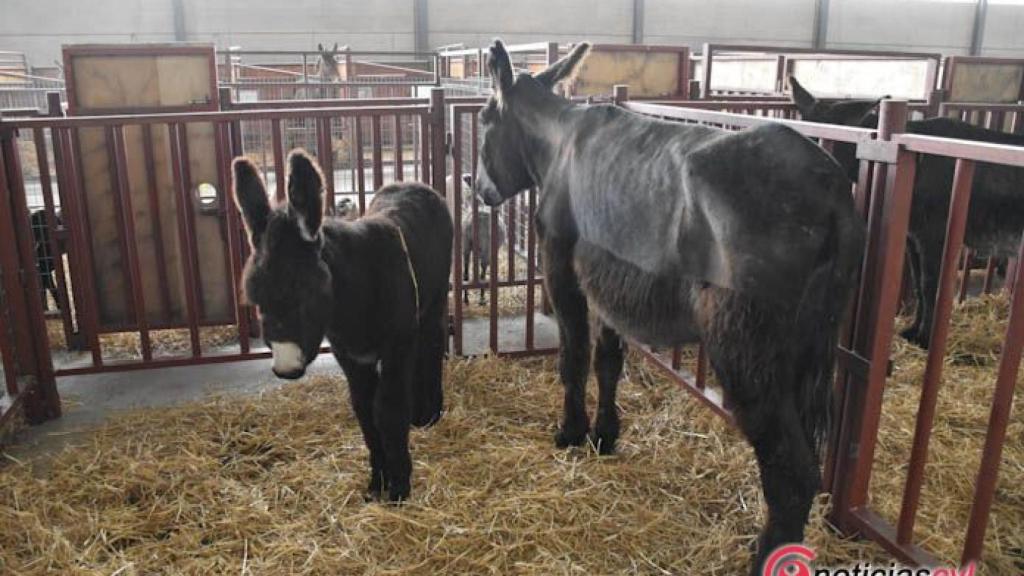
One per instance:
(882, 196)
(888, 159)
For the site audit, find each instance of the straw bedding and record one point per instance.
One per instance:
(273, 484)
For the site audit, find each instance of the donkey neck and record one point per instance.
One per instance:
(544, 125)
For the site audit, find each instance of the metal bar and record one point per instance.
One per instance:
(190, 222)
(455, 205)
(185, 238)
(474, 201)
(128, 230)
(511, 237)
(238, 112)
(279, 172)
(156, 222)
(425, 150)
(360, 168)
(995, 437)
(399, 148)
(325, 153)
(119, 215)
(437, 139)
(493, 277)
(378, 163)
(710, 397)
(702, 367)
(221, 147)
(705, 80)
(867, 523)
(531, 267)
(809, 129)
(234, 235)
(81, 247)
(962, 177)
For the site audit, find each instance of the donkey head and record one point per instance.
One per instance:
(329, 61)
(508, 120)
(852, 112)
(285, 276)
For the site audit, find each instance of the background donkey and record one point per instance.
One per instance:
(995, 217)
(377, 287)
(481, 241)
(46, 260)
(327, 68)
(676, 233)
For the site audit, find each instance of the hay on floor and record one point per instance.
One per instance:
(977, 331)
(274, 484)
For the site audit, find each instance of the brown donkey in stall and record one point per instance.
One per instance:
(377, 287)
(673, 233)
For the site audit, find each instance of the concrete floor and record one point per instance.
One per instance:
(91, 399)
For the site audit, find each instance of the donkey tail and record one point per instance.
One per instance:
(821, 310)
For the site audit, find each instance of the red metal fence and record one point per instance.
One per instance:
(511, 323)
(882, 195)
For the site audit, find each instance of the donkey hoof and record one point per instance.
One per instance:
(375, 489)
(564, 438)
(603, 441)
(916, 337)
(398, 493)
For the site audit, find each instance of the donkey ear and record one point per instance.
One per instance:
(803, 99)
(305, 193)
(500, 67)
(251, 198)
(565, 67)
(853, 112)
(320, 47)
(335, 47)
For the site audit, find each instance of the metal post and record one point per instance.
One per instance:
(705, 81)
(620, 93)
(41, 399)
(819, 37)
(638, 21)
(437, 140)
(978, 30)
(861, 384)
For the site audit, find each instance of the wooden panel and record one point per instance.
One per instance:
(648, 74)
(986, 82)
(456, 68)
(210, 231)
(125, 78)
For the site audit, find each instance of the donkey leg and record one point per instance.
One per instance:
(789, 473)
(362, 386)
(465, 275)
(574, 340)
(914, 259)
(428, 394)
(391, 416)
(483, 274)
(608, 359)
(930, 256)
